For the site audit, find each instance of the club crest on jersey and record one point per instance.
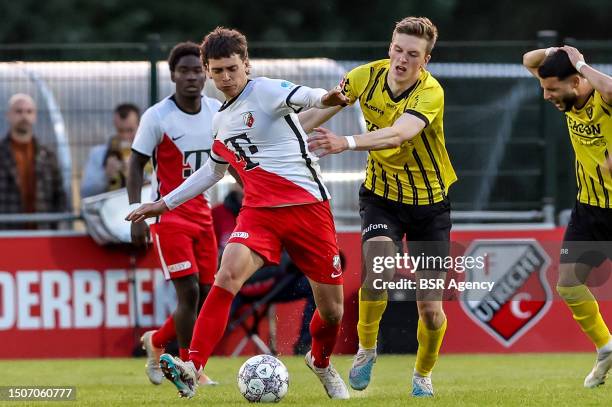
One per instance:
(521, 294)
(248, 119)
(589, 112)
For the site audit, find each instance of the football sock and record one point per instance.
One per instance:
(324, 337)
(166, 333)
(184, 354)
(210, 325)
(370, 314)
(429, 348)
(585, 311)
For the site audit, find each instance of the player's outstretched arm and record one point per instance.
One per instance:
(533, 59)
(326, 142)
(312, 118)
(201, 180)
(599, 80)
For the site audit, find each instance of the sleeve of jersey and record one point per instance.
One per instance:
(426, 104)
(201, 180)
(284, 97)
(355, 82)
(148, 135)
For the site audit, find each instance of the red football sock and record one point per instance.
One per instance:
(164, 334)
(210, 325)
(184, 354)
(324, 337)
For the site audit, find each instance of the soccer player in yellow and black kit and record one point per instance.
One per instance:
(585, 95)
(408, 173)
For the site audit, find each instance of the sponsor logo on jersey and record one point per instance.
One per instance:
(239, 235)
(521, 294)
(184, 265)
(374, 226)
(582, 129)
(248, 119)
(374, 108)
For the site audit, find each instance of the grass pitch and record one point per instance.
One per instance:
(459, 380)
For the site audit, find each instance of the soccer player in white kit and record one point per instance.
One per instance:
(258, 133)
(176, 134)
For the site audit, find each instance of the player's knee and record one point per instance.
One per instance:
(229, 278)
(430, 313)
(333, 314)
(187, 293)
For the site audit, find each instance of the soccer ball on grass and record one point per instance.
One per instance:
(263, 378)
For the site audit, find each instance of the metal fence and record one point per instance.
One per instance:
(509, 148)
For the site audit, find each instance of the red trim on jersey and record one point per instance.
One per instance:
(169, 173)
(263, 188)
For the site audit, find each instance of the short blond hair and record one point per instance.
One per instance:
(420, 27)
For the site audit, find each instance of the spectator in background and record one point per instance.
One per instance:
(106, 167)
(30, 178)
(265, 279)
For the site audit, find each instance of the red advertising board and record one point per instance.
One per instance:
(65, 296)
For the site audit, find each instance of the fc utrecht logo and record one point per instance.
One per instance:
(248, 119)
(520, 296)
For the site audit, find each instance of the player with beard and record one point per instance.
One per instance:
(584, 94)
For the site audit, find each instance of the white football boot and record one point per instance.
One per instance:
(154, 373)
(331, 380)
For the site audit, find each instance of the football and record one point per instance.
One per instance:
(263, 379)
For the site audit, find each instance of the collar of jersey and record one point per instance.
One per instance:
(227, 103)
(577, 109)
(404, 94)
(173, 99)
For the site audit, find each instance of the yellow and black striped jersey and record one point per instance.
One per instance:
(418, 172)
(590, 130)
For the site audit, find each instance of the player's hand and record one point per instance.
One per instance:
(573, 54)
(326, 142)
(148, 210)
(140, 234)
(334, 98)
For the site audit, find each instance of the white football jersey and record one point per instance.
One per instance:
(179, 143)
(259, 134)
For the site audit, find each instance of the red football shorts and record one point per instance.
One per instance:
(186, 249)
(306, 231)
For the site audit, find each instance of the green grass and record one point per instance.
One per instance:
(459, 380)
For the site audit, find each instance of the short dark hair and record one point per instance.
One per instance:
(180, 50)
(124, 109)
(420, 27)
(223, 43)
(557, 64)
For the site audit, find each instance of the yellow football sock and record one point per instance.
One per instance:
(370, 313)
(585, 310)
(429, 347)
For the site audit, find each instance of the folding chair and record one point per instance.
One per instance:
(259, 309)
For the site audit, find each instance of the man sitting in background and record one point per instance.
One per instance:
(30, 178)
(106, 167)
